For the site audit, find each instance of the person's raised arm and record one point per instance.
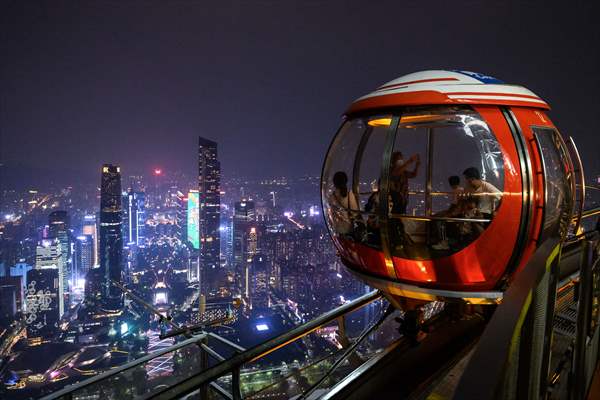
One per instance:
(417, 161)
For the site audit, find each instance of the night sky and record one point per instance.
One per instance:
(135, 83)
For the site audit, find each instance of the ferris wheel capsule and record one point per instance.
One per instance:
(441, 184)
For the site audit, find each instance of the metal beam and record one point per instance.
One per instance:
(192, 383)
(88, 382)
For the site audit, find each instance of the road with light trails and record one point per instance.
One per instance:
(160, 365)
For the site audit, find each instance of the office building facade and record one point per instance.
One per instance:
(90, 227)
(58, 228)
(42, 303)
(111, 236)
(48, 255)
(134, 219)
(209, 189)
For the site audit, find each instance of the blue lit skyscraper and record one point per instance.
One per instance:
(193, 219)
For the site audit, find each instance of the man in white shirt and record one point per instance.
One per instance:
(487, 194)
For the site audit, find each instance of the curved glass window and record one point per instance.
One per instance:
(558, 197)
(350, 180)
(428, 188)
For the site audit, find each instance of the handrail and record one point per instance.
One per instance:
(291, 374)
(582, 184)
(261, 350)
(586, 214)
(83, 384)
(425, 218)
(226, 342)
(485, 372)
(590, 212)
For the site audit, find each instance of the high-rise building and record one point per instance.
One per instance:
(243, 222)
(134, 219)
(140, 198)
(90, 227)
(209, 188)
(193, 219)
(181, 202)
(42, 303)
(290, 280)
(58, 228)
(20, 271)
(84, 256)
(48, 255)
(8, 302)
(17, 282)
(93, 287)
(111, 236)
(244, 241)
(192, 226)
(259, 294)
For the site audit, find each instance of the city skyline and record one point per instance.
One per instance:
(280, 199)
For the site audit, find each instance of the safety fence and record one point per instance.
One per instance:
(514, 356)
(205, 363)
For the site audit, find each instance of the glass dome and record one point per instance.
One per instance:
(420, 184)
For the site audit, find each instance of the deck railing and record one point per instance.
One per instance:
(203, 377)
(512, 359)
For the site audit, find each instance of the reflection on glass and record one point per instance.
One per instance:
(557, 188)
(445, 183)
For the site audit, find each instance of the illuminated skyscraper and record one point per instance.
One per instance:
(181, 203)
(193, 234)
(111, 236)
(58, 228)
(244, 241)
(193, 219)
(84, 256)
(48, 255)
(42, 298)
(209, 187)
(243, 221)
(140, 198)
(259, 292)
(134, 217)
(91, 228)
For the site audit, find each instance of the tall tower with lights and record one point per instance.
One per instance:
(111, 236)
(58, 228)
(209, 189)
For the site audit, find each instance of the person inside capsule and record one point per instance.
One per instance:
(488, 195)
(343, 203)
(425, 209)
(443, 231)
(400, 173)
(373, 230)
